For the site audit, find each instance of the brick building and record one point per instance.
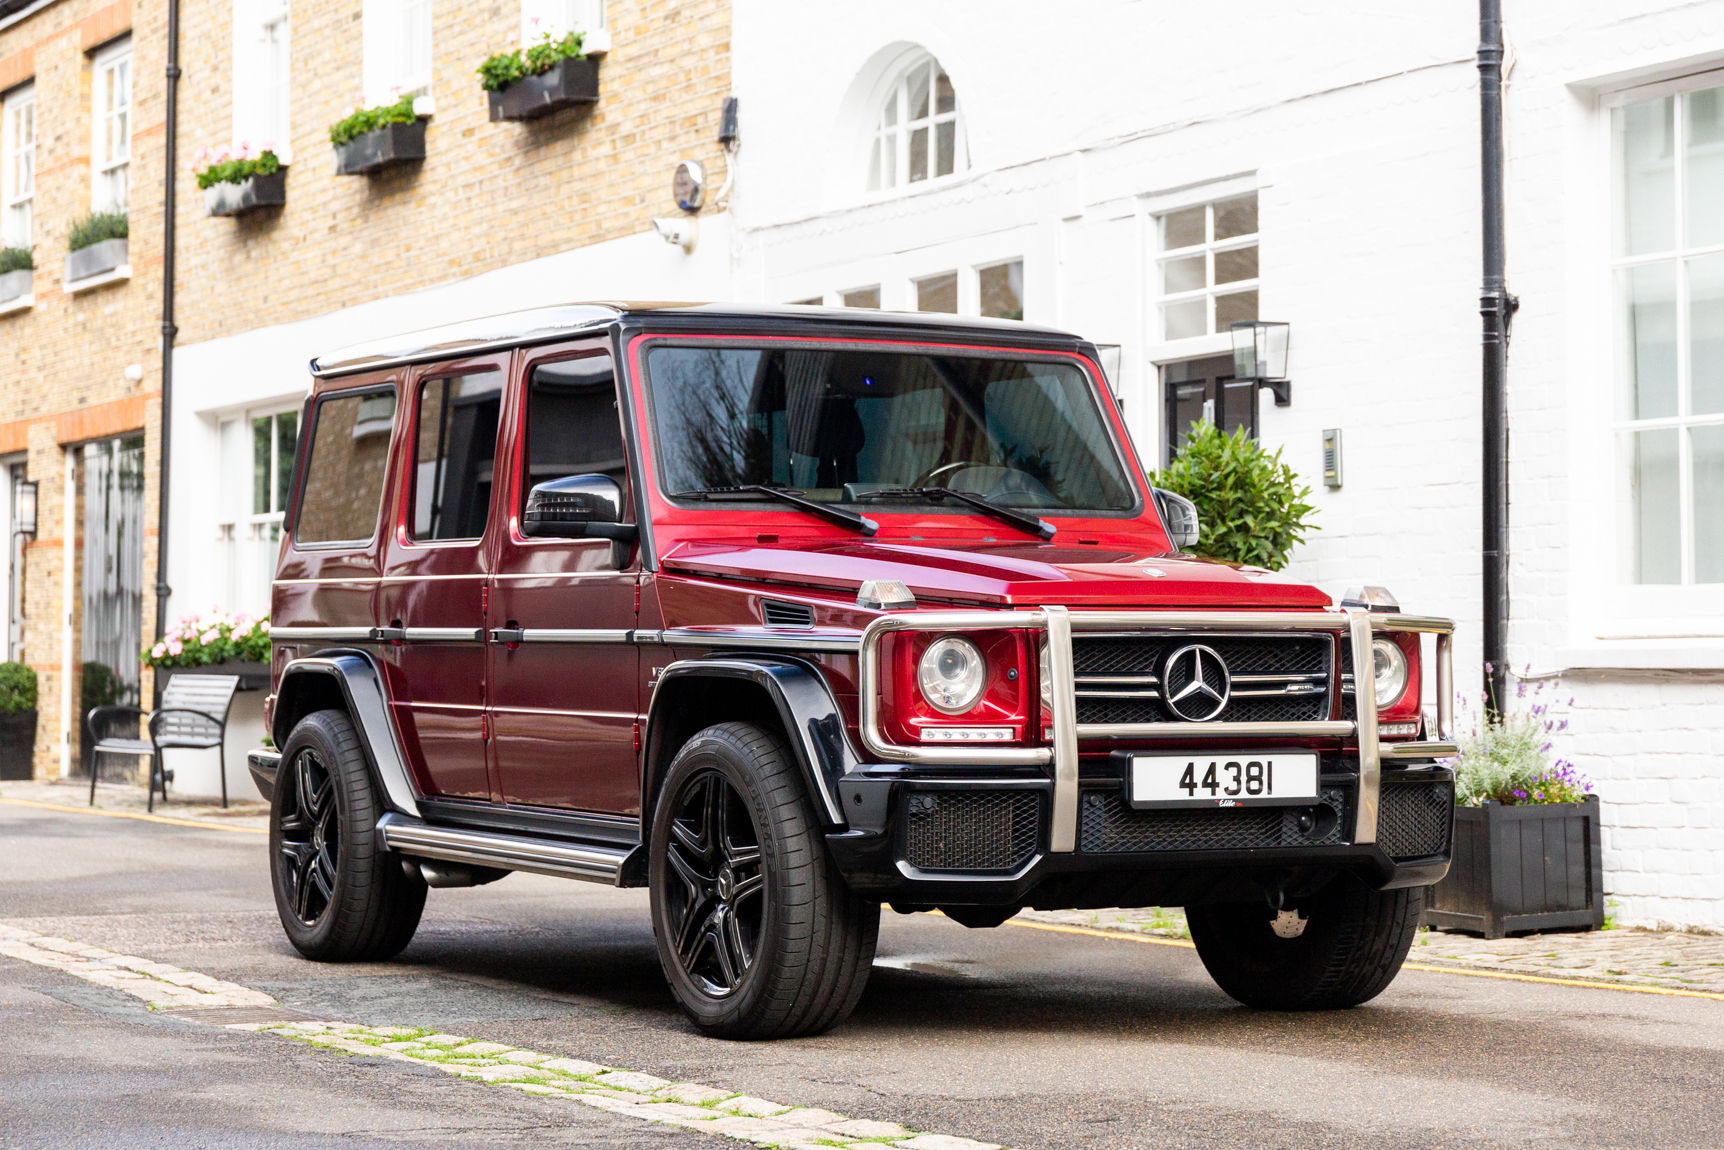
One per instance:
(497, 215)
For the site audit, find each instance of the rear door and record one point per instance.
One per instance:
(563, 690)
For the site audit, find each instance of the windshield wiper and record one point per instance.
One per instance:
(1032, 524)
(860, 524)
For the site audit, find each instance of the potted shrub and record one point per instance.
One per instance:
(552, 74)
(240, 178)
(366, 139)
(1528, 854)
(17, 721)
(97, 244)
(17, 273)
(1249, 503)
(215, 643)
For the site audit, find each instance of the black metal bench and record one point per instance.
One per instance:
(193, 716)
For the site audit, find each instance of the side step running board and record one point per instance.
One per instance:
(593, 863)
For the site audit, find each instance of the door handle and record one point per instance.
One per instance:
(509, 635)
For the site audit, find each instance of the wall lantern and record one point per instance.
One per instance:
(24, 509)
(1260, 354)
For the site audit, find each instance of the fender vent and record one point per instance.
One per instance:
(778, 613)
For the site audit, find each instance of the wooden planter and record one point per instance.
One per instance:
(569, 82)
(227, 199)
(252, 676)
(17, 744)
(1516, 868)
(390, 144)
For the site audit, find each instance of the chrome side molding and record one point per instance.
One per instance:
(590, 862)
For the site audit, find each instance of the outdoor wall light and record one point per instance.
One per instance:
(24, 509)
(134, 372)
(1260, 354)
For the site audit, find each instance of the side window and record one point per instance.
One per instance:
(573, 426)
(457, 443)
(343, 487)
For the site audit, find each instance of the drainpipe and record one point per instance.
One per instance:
(1496, 306)
(170, 163)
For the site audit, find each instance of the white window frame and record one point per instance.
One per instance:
(244, 536)
(262, 76)
(111, 128)
(18, 154)
(559, 16)
(896, 136)
(394, 64)
(1208, 249)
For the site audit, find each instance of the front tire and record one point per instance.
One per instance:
(758, 933)
(1349, 948)
(341, 894)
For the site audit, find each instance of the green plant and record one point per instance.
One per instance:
(198, 640)
(17, 688)
(1250, 504)
(505, 68)
(1506, 757)
(16, 260)
(234, 165)
(359, 121)
(98, 227)
(99, 686)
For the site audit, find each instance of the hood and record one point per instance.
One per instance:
(1014, 575)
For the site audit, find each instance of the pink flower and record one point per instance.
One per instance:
(175, 646)
(158, 650)
(242, 630)
(264, 626)
(209, 636)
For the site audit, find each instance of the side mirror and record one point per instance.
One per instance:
(1180, 516)
(577, 507)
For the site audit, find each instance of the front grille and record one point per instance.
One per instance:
(1275, 678)
(1414, 819)
(1108, 825)
(972, 830)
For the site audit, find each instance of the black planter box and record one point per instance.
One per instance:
(390, 144)
(569, 82)
(226, 199)
(252, 676)
(17, 744)
(1532, 867)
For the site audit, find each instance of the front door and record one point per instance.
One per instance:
(563, 690)
(432, 595)
(1205, 391)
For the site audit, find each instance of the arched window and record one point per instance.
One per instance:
(918, 135)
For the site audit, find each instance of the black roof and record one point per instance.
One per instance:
(562, 321)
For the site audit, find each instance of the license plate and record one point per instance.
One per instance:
(1228, 779)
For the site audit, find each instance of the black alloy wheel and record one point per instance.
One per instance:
(716, 902)
(310, 836)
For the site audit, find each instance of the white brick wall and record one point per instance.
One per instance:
(1361, 128)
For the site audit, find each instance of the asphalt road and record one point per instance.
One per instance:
(1024, 1037)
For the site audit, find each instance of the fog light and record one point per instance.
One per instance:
(952, 675)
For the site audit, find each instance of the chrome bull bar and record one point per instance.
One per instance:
(1059, 623)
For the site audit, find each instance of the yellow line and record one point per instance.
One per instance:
(201, 825)
(1121, 937)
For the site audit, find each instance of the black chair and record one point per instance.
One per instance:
(193, 716)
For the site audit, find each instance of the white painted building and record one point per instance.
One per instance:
(1142, 173)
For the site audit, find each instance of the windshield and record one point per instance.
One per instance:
(846, 426)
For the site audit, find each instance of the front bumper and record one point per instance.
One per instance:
(918, 838)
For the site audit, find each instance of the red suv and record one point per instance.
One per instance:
(786, 613)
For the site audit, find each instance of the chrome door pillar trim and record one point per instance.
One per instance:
(1365, 707)
(338, 634)
(1062, 838)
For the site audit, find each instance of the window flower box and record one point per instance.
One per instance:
(253, 676)
(97, 260)
(260, 191)
(1524, 866)
(390, 144)
(568, 82)
(16, 285)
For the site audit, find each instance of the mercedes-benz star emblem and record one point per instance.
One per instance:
(1195, 683)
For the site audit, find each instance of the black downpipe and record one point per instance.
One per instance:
(171, 164)
(1496, 306)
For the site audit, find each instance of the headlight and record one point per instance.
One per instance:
(1045, 676)
(952, 675)
(1388, 670)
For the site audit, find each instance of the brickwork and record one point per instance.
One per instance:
(66, 358)
(487, 195)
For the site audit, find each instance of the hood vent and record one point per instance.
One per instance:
(778, 613)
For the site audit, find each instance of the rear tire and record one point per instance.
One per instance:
(758, 933)
(1351, 947)
(341, 894)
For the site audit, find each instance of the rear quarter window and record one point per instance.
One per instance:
(349, 455)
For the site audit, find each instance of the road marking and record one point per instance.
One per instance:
(688, 1105)
(1429, 969)
(200, 824)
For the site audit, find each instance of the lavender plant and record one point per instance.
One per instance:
(1508, 759)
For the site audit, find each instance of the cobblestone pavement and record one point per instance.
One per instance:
(1674, 959)
(131, 798)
